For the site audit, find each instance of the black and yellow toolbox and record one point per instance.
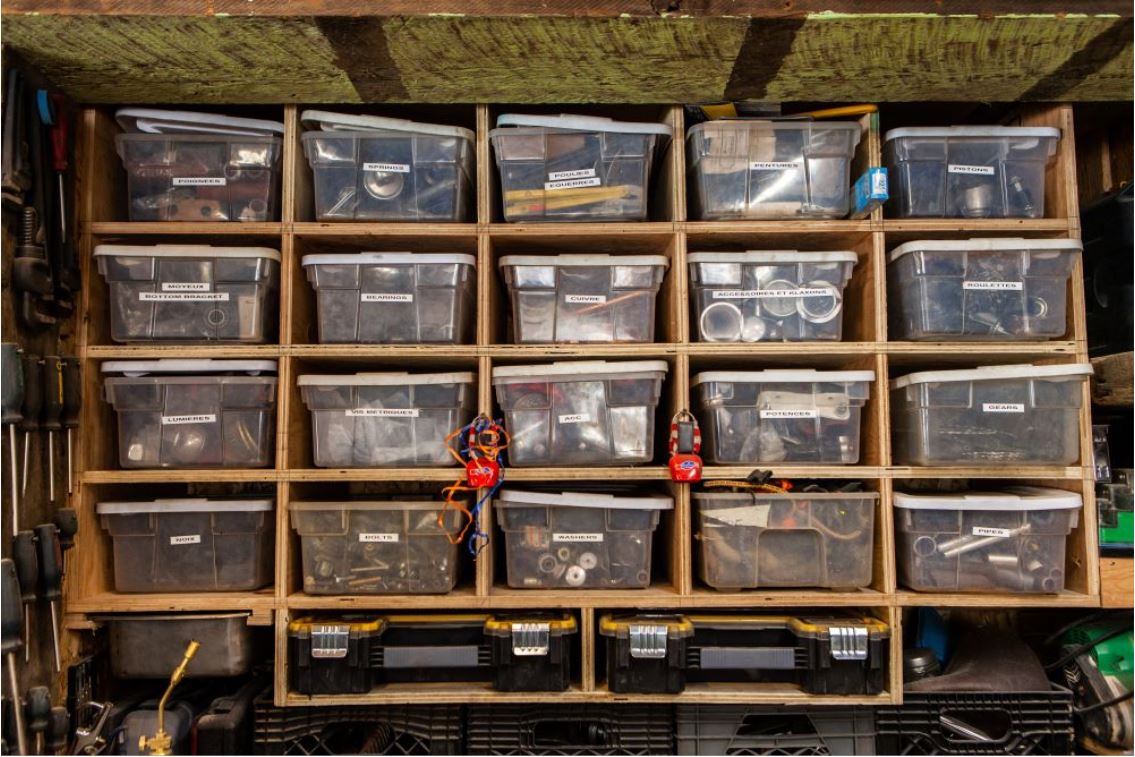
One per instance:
(353, 654)
(646, 653)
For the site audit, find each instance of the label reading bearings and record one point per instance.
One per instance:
(385, 297)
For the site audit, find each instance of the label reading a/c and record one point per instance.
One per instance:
(987, 531)
(575, 418)
(379, 538)
(187, 539)
(592, 538)
(1002, 407)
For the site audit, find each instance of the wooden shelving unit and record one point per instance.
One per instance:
(89, 586)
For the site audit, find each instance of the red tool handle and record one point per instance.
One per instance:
(59, 133)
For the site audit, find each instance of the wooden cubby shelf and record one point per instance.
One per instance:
(675, 585)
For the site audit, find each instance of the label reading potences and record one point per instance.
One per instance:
(799, 413)
(592, 538)
(387, 167)
(994, 286)
(187, 539)
(575, 418)
(1002, 407)
(971, 170)
(383, 297)
(179, 420)
(987, 531)
(382, 412)
(379, 538)
(199, 181)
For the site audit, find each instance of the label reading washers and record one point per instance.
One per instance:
(592, 538)
(181, 420)
(387, 167)
(801, 413)
(383, 297)
(199, 181)
(585, 299)
(379, 538)
(994, 286)
(382, 412)
(971, 170)
(987, 531)
(187, 539)
(770, 294)
(575, 418)
(1002, 407)
(761, 165)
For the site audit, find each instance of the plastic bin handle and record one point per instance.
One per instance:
(965, 730)
(747, 658)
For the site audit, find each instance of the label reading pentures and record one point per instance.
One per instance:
(382, 412)
(179, 420)
(387, 167)
(384, 297)
(972, 170)
(199, 181)
(187, 539)
(379, 538)
(1002, 407)
(987, 531)
(594, 538)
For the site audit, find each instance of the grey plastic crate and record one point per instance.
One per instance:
(570, 729)
(774, 729)
(150, 645)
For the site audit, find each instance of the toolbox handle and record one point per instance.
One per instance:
(431, 657)
(747, 658)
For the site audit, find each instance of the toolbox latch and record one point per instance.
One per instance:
(530, 639)
(648, 642)
(330, 642)
(848, 642)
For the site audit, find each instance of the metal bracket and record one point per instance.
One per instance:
(648, 642)
(530, 639)
(848, 642)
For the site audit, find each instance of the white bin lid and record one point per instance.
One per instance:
(366, 505)
(183, 251)
(1008, 499)
(158, 121)
(385, 379)
(515, 498)
(995, 132)
(995, 372)
(185, 505)
(520, 374)
(792, 376)
(773, 256)
(985, 245)
(191, 365)
(722, 497)
(569, 122)
(387, 258)
(328, 121)
(581, 260)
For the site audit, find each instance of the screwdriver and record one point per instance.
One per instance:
(72, 403)
(11, 398)
(50, 578)
(52, 407)
(67, 521)
(38, 708)
(10, 643)
(58, 730)
(32, 406)
(27, 571)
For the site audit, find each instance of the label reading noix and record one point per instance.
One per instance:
(384, 297)
(994, 286)
(1002, 407)
(199, 181)
(575, 418)
(179, 420)
(987, 531)
(187, 539)
(578, 537)
(382, 412)
(379, 538)
(582, 173)
(594, 181)
(761, 165)
(801, 413)
(387, 167)
(972, 170)
(585, 299)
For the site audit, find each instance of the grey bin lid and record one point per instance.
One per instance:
(158, 121)
(190, 366)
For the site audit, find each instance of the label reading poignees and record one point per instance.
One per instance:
(187, 539)
(758, 165)
(994, 286)
(575, 418)
(973, 170)
(770, 294)
(987, 531)
(585, 299)
(1002, 407)
(382, 412)
(387, 167)
(578, 537)
(180, 420)
(384, 297)
(379, 538)
(801, 413)
(199, 181)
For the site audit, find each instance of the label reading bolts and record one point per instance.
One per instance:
(379, 538)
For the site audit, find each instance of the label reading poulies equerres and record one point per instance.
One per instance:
(1002, 407)
(379, 538)
(987, 531)
(575, 418)
(578, 537)
(199, 181)
(972, 170)
(187, 539)
(178, 420)
(384, 297)
(382, 412)
(758, 165)
(387, 167)
(798, 413)
(994, 286)
(585, 299)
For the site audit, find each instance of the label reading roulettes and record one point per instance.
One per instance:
(1002, 407)
(550, 186)
(379, 538)
(186, 539)
(971, 170)
(382, 412)
(575, 418)
(593, 538)
(767, 165)
(387, 167)
(582, 173)
(179, 420)
(994, 286)
(791, 413)
(199, 181)
(384, 297)
(585, 299)
(987, 531)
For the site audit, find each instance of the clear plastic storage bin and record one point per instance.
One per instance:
(370, 547)
(178, 545)
(980, 289)
(144, 645)
(186, 292)
(393, 297)
(385, 420)
(770, 169)
(778, 296)
(968, 171)
(575, 168)
(183, 166)
(996, 415)
(370, 168)
(580, 413)
(577, 540)
(1005, 541)
(583, 298)
(754, 540)
(193, 413)
(774, 416)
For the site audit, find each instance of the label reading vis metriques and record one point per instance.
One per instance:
(382, 412)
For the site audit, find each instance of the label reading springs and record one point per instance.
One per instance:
(387, 167)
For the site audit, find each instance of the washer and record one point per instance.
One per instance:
(721, 322)
(575, 576)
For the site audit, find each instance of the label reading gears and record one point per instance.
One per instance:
(1002, 407)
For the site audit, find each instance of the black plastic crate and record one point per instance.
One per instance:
(744, 729)
(585, 729)
(397, 729)
(333, 656)
(1026, 723)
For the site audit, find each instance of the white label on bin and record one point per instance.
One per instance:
(387, 167)
(994, 286)
(801, 413)
(582, 173)
(585, 299)
(183, 296)
(1002, 407)
(594, 181)
(766, 165)
(187, 539)
(199, 181)
(575, 418)
(186, 286)
(178, 420)
(379, 538)
(987, 531)
(753, 516)
(978, 170)
(382, 412)
(593, 538)
(769, 294)
(382, 297)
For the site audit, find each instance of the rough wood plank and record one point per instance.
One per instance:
(1116, 579)
(1112, 383)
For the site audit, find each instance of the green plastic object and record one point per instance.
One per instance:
(1114, 657)
(1122, 533)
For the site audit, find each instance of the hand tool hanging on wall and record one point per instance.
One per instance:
(54, 116)
(58, 730)
(11, 400)
(50, 579)
(27, 571)
(38, 709)
(10, 643)
(72, 403)
(32, 366)
(52, 409)
(16, 177)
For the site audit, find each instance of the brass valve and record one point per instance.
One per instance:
(161, 742)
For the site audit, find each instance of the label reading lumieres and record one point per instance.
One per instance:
(387, 167)
(987, 531)
(1002, 407)
(575, 418)
(199, 181)
(770, 294)
(790, 413)
(971, 170)
(585, 299)
(383, 297)
(379, 538)
(994, 286)
(592, 538)
(179, 420)
(382, 412)
(187, 539)
(184, 291)
(758, 165)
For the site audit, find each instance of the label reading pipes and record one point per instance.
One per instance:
(383, 297)
(187, 539)
(994, 286)
(179, 420)
(379, 538)
(575, 418)
(971, 170)
(593, 538)
(801, 413)
(1004, 533)
(387, 167)
(382, 412)
(585, 299)
(199, 181)
(1002, 407)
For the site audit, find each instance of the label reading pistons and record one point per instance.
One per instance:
(759, 165)
(789, 414)
(387, 167)
(187, 539)
(585, 299)
(583, 173)
(379, 538)
(1002, 407)
(575, 418)
(382, 412)
(181, 420)
(383, 297)
(550, 186)
(591, 538)
(199, 181)
(971, 170)
(987, 531)
(994, 286)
